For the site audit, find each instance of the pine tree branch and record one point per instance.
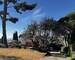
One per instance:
(13, 19)
(1, 2)
(23, 7)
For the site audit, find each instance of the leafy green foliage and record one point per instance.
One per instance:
(68, 21)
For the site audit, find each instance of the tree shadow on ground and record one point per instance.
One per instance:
(73, 58)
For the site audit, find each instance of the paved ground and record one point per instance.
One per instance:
(53, 58)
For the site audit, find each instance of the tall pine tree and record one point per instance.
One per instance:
(19, 7)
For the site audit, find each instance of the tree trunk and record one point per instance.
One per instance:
(4, 24)
(4, 33)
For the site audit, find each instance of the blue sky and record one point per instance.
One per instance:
(45, 8)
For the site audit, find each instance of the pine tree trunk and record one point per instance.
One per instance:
(4, 33)
(4, 24)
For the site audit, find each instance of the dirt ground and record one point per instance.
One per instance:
(24, 54)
